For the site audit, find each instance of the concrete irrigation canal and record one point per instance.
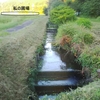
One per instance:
(56, 75)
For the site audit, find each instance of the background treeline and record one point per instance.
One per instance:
(85, 7)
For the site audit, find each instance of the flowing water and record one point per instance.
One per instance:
(56, 72)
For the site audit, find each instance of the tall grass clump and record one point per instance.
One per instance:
(84, 22)
(66, 29)
(77, 33)
(90, 57)
(79, 37)
(88, 38)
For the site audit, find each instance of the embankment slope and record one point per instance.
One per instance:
(16, 57)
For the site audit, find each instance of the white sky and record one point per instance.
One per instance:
(1, 1)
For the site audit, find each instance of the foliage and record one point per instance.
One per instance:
(90, 61)
(55, 3)
(40, 50)
(89, 92)
(91, 8)
(65, 40)
(66, 29)
(45, 11)
(76, 32)
(84, 22)
(78, 35)
(61, 15)
(86, 7)
(88, 38)
(76, 5)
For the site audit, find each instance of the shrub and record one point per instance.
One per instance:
(84, 22)
(88, 38)
(61, 14)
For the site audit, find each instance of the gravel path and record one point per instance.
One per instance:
(16, 28)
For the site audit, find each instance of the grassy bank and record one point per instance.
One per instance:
(16, 58)
(84, 43)
(81, 37)
(89, 92)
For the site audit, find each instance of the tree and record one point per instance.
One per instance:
(91, 8)
(45, 11)
(86, 7)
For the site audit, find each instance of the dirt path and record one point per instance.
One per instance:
(16, 28)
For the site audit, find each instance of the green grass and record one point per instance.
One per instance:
(16, 58)
(90, 57)
(11, 21)
(84, 22)
(2, 34)
(77, 33)
(89, 92)
(7, 22)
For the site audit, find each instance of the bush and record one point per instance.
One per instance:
(88, 38)
(84, 22)
(61, 14)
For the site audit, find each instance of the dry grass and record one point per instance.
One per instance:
(16, 58)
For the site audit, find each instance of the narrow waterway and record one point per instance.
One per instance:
(54, 75)
(52, 59)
